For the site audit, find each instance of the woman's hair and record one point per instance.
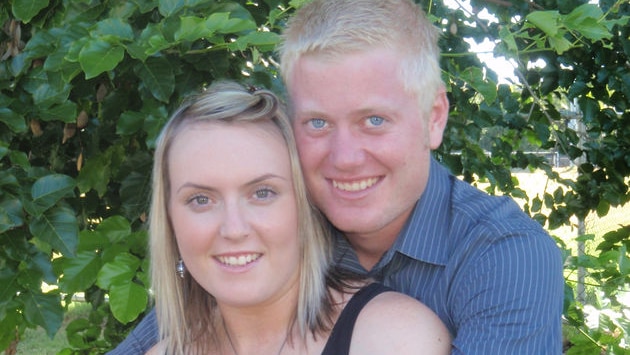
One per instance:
(187, 315)
(331, 29)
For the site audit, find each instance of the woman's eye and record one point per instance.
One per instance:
(264, 193)
(375, 121)
(317, 123)
(200, 200)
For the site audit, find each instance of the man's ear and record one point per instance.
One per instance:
(438, 118)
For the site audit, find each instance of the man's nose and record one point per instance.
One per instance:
(347, 150)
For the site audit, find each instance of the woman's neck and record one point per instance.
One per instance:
(261, 329)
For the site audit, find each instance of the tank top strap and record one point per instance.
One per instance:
(341, 334)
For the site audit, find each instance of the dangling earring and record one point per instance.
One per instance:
(180, 268)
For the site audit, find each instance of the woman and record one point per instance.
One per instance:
(230, 214)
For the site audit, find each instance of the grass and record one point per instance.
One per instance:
(37, 342)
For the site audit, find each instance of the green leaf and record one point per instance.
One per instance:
(624, 261)
(590, 108)
(98, 56)
(95, 174)
(298, 3)
(169, 7)
(236, 25)
(129, 123)
(11, 214)
(119, 271)
(19, 158)
(508, 39)
(41, 44)
(44, 310)
(157, 76)
(79, 272)
(41, 262)
(475, 78)
(54, 90)
(59, 228)
(64, 112)
(127, 301)
(134, 194)
(559, 43)
(9, 322)
(25, 10)
(262, 40)
(10, 287)
(14, 121)
(191, 29)
(48, 190)
(113, 28)
(217, 21)
(150, 41)
(116, 228)
(581, 13)
(594, 30)
(546, 21)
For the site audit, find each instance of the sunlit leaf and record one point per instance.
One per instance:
(79, 272)
(116, 228)
(98, 56)
(476, 79)
(119, 271)
(128, 301)
(546, 21)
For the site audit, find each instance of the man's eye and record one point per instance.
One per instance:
(317, 123)
(375, 121)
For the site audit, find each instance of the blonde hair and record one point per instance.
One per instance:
(333, 28)
(187, 315)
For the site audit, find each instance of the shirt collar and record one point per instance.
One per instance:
(425, 234)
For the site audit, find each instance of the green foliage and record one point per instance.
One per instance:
(85, 87)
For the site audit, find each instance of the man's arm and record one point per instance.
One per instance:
(510, 301)
(141, 339)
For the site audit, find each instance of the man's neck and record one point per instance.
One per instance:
(370, 249)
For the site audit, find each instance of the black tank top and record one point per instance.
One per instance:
(341, 335)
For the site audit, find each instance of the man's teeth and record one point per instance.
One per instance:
(240, 260)
(355, 185)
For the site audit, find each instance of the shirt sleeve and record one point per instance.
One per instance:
(509, 300)
(141, 339)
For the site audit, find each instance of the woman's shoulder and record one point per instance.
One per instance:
(396, 323)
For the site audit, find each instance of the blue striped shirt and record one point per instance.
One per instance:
(490, 272)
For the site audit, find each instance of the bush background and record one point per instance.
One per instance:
(86, 85)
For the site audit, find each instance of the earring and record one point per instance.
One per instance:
(180, 268)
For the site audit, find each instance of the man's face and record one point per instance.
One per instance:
(364, 143)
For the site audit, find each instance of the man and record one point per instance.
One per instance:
(368, 107)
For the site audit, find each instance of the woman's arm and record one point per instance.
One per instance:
(393, 323)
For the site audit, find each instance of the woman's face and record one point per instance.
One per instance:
(233, 210)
